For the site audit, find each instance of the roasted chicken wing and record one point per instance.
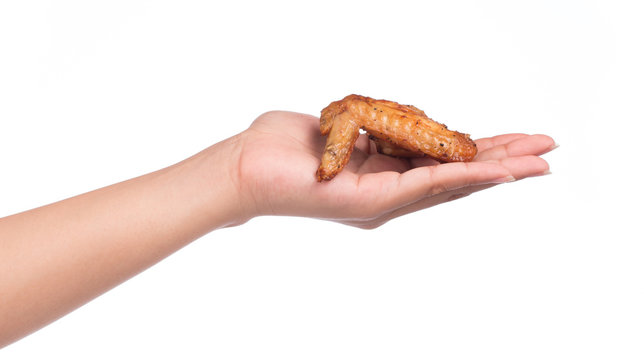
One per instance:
(397, 130)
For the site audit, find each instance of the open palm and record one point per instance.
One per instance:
(281, 151)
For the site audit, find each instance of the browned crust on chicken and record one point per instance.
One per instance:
(399, 130)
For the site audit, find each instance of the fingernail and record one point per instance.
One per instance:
(554, 146)
(547, 172)
(503, 180)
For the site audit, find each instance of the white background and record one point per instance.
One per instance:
(94, 92)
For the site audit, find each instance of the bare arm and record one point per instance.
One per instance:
(55, 258)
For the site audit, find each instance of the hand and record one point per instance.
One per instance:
(281, 151)
(267, 169)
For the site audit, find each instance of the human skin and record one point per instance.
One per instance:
(55, 258)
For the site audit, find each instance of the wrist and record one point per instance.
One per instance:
(211, 180)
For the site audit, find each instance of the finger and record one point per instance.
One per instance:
(445, 177)
(398, 190)
(451, 187)
(526, 145)
(423, 161)
(428, 202)
(521, 167)
(490, 142)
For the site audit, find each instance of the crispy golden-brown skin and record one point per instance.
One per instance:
(398, 130)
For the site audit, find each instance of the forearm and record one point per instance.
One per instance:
(57, 257)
